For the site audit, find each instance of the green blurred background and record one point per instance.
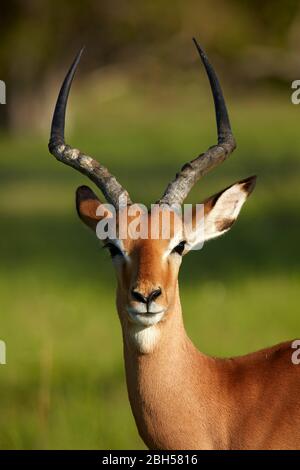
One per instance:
(141, 104)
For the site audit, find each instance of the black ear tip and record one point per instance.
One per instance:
(249, 184)
(83, 187)
(85, 191)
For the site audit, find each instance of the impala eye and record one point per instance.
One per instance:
(179, 248)
(113, 249)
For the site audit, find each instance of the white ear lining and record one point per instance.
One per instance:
(225, 211)
(221, 216)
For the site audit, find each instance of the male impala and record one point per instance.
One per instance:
(181, 398)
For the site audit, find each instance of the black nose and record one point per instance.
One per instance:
(142, 298)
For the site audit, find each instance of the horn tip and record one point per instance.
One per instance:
(79, 54)
(199, 48)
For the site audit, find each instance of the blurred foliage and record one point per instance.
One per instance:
(39, 38)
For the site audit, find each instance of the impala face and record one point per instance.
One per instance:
(147, 271)
(147, 277)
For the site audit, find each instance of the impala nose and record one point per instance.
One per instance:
(146, 299)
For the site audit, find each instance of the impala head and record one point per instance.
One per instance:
(147, 266)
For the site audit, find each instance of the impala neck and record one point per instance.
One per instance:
(158, 381)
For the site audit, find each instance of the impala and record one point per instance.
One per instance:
(180, 397)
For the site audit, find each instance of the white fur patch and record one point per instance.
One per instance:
(141, 317)
(145, 338)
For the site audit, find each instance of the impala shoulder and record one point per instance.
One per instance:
(266, 357)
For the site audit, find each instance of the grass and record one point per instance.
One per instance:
(63, 385)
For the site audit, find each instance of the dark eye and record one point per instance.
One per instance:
(179, 248)
(113, 249)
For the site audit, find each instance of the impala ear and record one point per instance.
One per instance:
(87, 204)
(222, 210)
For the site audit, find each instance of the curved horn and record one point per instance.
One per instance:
(112, 190)
(191, 172)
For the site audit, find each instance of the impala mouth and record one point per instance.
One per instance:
(145, 317)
